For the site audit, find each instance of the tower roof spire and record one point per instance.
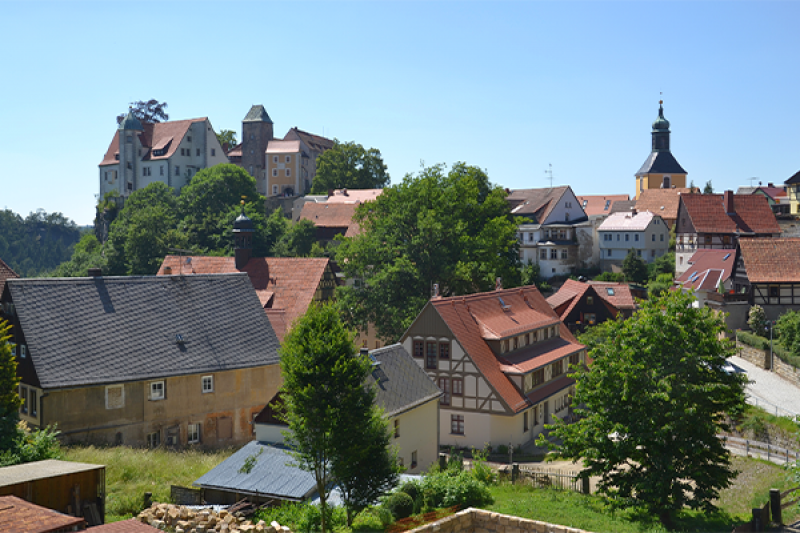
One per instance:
(661, 124)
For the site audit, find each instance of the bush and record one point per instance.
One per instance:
(617, 277)
(757, 320)
(745, 337)
(446, 489)
(480, 470)
(400, 504)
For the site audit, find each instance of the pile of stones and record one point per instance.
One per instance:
(184, 520)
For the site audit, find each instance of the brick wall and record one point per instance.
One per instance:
(480, 521)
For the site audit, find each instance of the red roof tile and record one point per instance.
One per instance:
(353, 196)
(622, 297)
(572, 291)
(156, 137)
(331, 215)
(282, 283)
(662, 202)
(537, 395)
(600, 205)
(771, 260)
(19, 516)
(708, 267)
(752, 214)
(5, 273)
(124, 526)
(471, 318)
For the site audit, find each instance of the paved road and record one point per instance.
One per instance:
(768, 390)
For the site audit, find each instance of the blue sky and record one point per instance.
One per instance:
(511, 87)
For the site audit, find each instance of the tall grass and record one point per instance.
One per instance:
(130, 472)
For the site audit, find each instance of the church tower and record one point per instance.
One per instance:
(256, 134)
(661, 170)
(243, 236)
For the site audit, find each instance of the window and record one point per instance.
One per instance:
(543, 254)
(154, 439)
(419, 349)
(590, 318)
(553, 253)
(617, 236)
(590, 300)
(538, 377)
(525, 421)
(213, 152)
(515, 343)
(177, 170)
(161, 170)
(652, 253)
(708, 239)
(503, 346)
(430, 355)
(396, 428)
(189, 139)
(129, 138)
(274, 190)
(23, 393)
(653, 237)
(288, 172)
(575, 358)
(774, 291)
(23, 351)
(638, 253)
(414, 459)
(662, 237)
(444, 350)
(274, 158)
(198, 151)
(274, 172)
(193, 434)
(563, 253)
(636, 237)
(610, 291)
(530, 237)
(457, 424)
(288, 159)
(183, 152)
(606, 236)
(444, 385)
(726, 239)
(458, 386)
(608, 203)
(627, 237)
(33, 402)
(609, 253)
(157, 390)
(558, 368)
(208, 384)
(115, 397)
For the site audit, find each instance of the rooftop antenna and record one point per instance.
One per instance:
(549, 174)
(752, 180)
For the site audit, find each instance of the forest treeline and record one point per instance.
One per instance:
(38, 243)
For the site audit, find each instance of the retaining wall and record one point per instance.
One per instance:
(479, 521)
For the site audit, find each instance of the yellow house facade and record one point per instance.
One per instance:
(792, 185)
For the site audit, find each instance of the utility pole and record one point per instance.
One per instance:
(549, 174)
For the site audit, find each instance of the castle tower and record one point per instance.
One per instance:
(243, 236)
(129, 129)
(256, 133)
(660, 170)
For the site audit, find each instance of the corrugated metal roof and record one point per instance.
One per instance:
(11, 475)
(274, 474)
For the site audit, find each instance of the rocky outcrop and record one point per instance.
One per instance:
(184, 520)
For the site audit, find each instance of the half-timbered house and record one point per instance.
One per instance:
(502, 360)
(770, 271)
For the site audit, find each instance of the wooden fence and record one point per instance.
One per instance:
(762, 449)
(550, 478)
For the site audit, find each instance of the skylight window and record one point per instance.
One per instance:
(610, 291)
(726, 257)
(608, 204)
(504, 305)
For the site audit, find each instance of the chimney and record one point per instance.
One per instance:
(167, 271)
(95, 272)
(498, 284)
(770, 185)
(435, 290)
(330, 193)
(344, 192)
(727, 202)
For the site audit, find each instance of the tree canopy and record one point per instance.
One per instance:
(651, 406)
(452, 228)
(335, 430)
(37, 243)
(708, 189)
(634, 268)
(227, 136)
(151, 111)
(349, 165)
(9, 398)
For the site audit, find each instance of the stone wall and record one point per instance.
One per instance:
(480, 521)
(755, 356)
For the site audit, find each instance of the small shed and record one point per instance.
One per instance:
(76, 489)
(19, 516)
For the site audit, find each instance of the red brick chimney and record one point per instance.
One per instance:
(727, 202)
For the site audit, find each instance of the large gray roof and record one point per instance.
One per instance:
(661, 163)
(402, 383)
(274, 474)
(257, 113)
(87, 331)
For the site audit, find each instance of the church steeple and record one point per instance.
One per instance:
(243, 235)
(661, 131)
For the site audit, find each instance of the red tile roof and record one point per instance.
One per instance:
(287, 284)
(771, 260)
(622, 297)
(537, 203)
(752, 214)
(551, 388)
(572, 291)
(19, 516)
(476, 317)
(163, 135)
(315, 142)
(707, 268)
(124, 526)
(5, 273)
(332, 215)
(596, 205)
(353, 196)
(662, 202)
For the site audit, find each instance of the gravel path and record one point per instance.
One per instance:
(768, 390)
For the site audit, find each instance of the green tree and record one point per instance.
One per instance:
(10, 401)
(349, 165)
(757, 320)
(151, 111)
(659, 285)
(662, 265)
(297, 240)
(652, 404)
(634, 268)
(708, 189)
(88, 253)
(330, 413)
(227, 136)
(451, 228)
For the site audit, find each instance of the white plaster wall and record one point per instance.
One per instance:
(419, 431)
(270, 433)
(477, 429)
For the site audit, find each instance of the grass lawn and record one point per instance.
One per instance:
(750, 489)
(130, 472)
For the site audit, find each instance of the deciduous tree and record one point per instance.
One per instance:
(10, 401)
(349, 165)
(652, 404)
(332, 418)
(451, 228)
(151, 111)
(634, 268)
(227, 136)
